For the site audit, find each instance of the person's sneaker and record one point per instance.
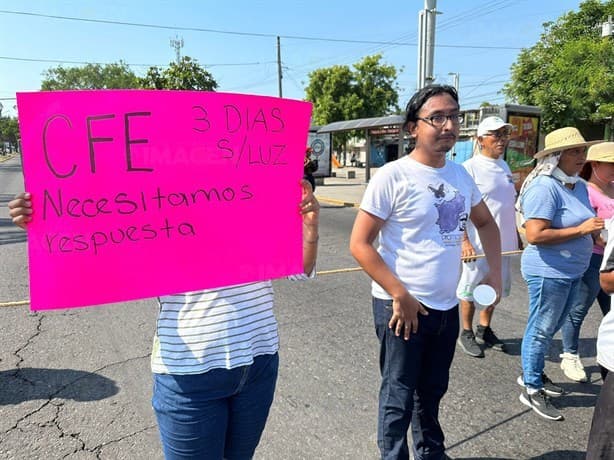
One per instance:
(484, 335)
(550, 387)
(469, 345)
(540, 403)
(572, 367)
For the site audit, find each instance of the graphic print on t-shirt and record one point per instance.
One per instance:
(450, 209)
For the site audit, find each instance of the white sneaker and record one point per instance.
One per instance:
(572, 367)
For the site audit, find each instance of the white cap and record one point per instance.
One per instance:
(491, 124)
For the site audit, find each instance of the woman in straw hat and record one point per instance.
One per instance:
(599, 171)
(560, 224)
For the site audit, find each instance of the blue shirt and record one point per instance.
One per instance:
(546, 198)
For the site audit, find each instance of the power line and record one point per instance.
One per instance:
(249, 34)
(64, 61)
(472, 14)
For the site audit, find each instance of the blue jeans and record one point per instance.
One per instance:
(216, 415)
(550, 300)
(589, 288)
(415, 376)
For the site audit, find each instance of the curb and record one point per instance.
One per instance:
(7, 157)
(345, 204)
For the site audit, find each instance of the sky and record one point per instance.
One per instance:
(236, 40)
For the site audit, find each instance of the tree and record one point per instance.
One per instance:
(569, 72)
(9, 132)
(340, 93)
(90, 76)
(186, 74)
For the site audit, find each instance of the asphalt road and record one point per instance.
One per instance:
(76, 383)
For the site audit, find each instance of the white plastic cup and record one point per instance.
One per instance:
(484, 296)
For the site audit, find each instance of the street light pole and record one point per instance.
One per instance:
(455, 81)
(279, 72)
(426, 43)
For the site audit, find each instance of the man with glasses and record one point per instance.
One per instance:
(419, 205)
(493, 177)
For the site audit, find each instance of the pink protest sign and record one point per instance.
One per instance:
(144, 193)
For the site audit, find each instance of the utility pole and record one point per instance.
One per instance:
(279, 73)
(607, 28)
(607, 31)
(177, 43)
(426, 43)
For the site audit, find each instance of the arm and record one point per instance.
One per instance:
(20, 210)
(606, 275)
(310, 210)
(405, 307)
(467, 249)
(490, 237)
(539, 231)
(606, 279)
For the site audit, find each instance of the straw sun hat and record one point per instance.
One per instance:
(603, 152)
(563, 139)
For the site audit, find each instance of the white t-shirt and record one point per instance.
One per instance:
(425, 211)
(494, 180)
(605, 336)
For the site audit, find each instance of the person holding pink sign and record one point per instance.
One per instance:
(215, 356)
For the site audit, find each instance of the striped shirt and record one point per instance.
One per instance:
(215, 328)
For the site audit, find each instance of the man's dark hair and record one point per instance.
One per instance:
(420, 97)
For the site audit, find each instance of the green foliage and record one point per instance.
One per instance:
(340, 93)
(90, 76)
(9, 132)
(569, 72)
(187, 74)
(376, 87)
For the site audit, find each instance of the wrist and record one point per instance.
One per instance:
(311, 239)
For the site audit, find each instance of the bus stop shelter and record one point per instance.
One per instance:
(368, 124)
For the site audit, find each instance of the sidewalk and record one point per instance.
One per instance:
(340, 190)
(7, 156)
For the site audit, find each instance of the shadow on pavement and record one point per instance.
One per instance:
(5, 198)
(561, 455)
(557, 455)
(585, 345)
(28, 384)
(16, 167)
(10, 234)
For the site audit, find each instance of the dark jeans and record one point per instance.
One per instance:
(216, 415)
(415, 376)
(601, 438)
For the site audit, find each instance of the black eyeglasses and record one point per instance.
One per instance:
(438, 121)
(499, 134)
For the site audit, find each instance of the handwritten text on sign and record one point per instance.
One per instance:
(145, 193)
